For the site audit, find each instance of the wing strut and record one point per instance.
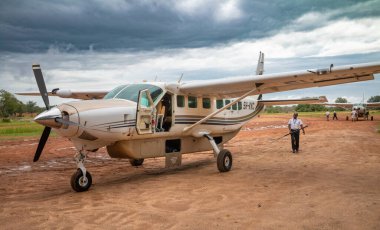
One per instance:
(221, 109)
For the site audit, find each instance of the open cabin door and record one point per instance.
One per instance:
(145, 113)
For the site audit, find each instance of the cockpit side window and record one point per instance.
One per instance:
(131, 92)
(115, 91)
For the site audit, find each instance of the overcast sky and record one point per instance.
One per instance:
(99, 44)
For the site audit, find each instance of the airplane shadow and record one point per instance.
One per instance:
(150, 173)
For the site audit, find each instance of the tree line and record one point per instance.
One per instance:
(10, 106)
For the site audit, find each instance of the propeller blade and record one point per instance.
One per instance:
(41, 84)
(41, 144)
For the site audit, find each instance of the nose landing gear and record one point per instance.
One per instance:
(81, 180)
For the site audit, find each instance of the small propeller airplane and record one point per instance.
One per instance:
(156, 119)
(362, 109)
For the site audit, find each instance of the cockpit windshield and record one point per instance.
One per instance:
(131, 92)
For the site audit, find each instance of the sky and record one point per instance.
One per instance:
(97, 44)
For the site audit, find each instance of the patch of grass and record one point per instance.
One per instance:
(20, 128)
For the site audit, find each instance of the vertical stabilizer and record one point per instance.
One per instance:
(260, 69)
(260, 64)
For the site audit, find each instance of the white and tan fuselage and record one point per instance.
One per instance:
(113, 123)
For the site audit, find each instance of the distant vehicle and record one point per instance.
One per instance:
(362, 109)
(158, 119)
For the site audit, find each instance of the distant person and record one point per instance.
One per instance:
(353, 115)
(357, 114)
(294, 126)
(366, 115)
(335, 116)
(327, 115)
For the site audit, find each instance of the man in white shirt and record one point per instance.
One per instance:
(294, 126)
(353, 115)
(327, 115)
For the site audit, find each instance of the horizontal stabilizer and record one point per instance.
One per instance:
(316, 100)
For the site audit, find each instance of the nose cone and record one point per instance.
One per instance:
(48, 117)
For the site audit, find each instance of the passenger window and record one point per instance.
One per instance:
(240, 105)
(234, 106)
(219, 104)
(206, 103)
(226, 102)
(192, 102)
(180, 101)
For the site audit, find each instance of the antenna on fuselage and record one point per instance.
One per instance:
(180, 79)
(260, 64)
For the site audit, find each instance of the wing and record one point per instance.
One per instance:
(317, 100)
(84, 95)
(373, 105)
(270, 83)
(341, 105)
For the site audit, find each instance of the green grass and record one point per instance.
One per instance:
(20, 128)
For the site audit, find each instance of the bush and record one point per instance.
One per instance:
(6, 120)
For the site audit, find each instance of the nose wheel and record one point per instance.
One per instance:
(81, 180)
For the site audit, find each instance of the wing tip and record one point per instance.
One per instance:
(36, 66)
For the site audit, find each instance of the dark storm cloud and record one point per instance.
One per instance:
(36, 26)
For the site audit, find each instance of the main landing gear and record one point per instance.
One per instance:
(136, 162)
(81, 180)
(223, 157)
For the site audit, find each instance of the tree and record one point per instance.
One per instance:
(31, 107)
(341, 100)
(310, 108)
(9, 104)
(374, 99)
(273, 109)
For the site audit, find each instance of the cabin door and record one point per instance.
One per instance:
(145, 113)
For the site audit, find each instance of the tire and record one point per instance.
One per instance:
(371, 118)
(224, 161)
(346, 118)
(136, 162)
(76, 181)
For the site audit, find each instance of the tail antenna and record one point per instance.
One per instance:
(260, 64)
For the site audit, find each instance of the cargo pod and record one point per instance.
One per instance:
(145, 113)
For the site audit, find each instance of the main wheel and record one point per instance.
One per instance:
(371, 118)
(80, 183)
(346, 118)
(136, 162)
(224, 161)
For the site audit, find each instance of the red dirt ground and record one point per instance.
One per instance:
(333, 183)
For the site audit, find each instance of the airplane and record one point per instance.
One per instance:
(362, 109)
(167, 119)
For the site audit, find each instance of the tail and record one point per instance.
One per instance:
(260, 64)
(260, 68)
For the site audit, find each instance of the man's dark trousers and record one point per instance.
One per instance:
(295, 135)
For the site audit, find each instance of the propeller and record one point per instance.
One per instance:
(41, 84)
(41, 144)
(42, 87)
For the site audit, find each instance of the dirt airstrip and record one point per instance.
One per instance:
(333, 183)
